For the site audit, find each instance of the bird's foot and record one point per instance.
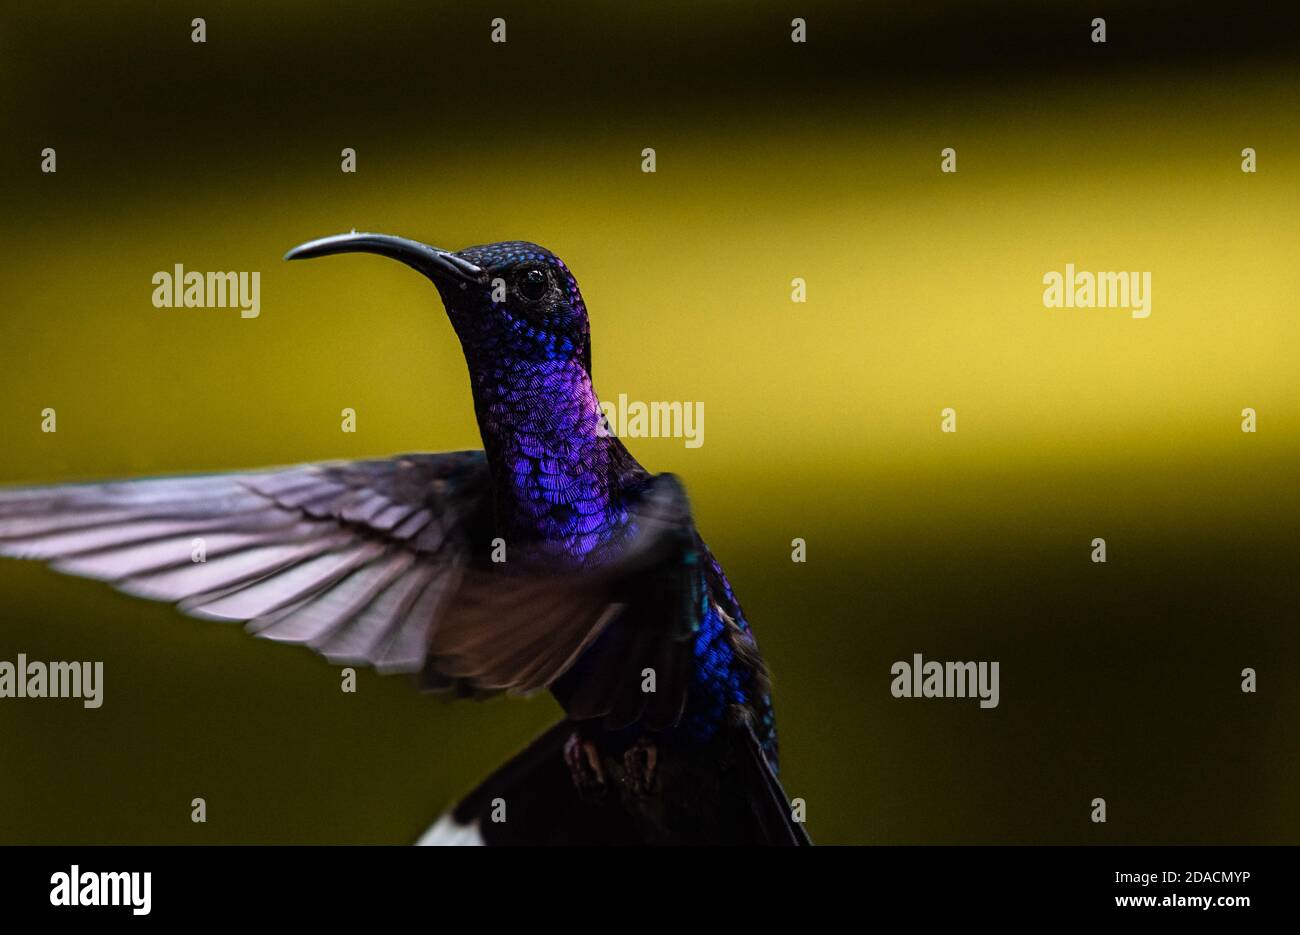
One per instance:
(640, 762)
(583, 760)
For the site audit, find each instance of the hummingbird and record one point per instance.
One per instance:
(549, 560)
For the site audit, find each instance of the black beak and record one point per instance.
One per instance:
(441, 266)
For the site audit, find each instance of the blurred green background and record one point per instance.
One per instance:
(775, 160)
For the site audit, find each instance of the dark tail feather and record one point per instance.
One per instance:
(776, 824)
(535, 795)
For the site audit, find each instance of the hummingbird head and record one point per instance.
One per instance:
(512, 300)
(523, 327)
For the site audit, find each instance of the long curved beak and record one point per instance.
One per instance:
(439, 265)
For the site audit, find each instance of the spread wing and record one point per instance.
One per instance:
(348, 558)
(385, 563)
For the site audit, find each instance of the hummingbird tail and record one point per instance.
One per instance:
(530, 800)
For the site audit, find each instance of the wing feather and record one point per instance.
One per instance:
(383, 562)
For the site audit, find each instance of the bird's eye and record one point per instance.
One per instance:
(532, 284)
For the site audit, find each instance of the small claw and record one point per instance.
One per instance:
(583, 760)
(640, 762)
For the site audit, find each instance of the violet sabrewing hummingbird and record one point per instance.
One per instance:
(549, 560)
